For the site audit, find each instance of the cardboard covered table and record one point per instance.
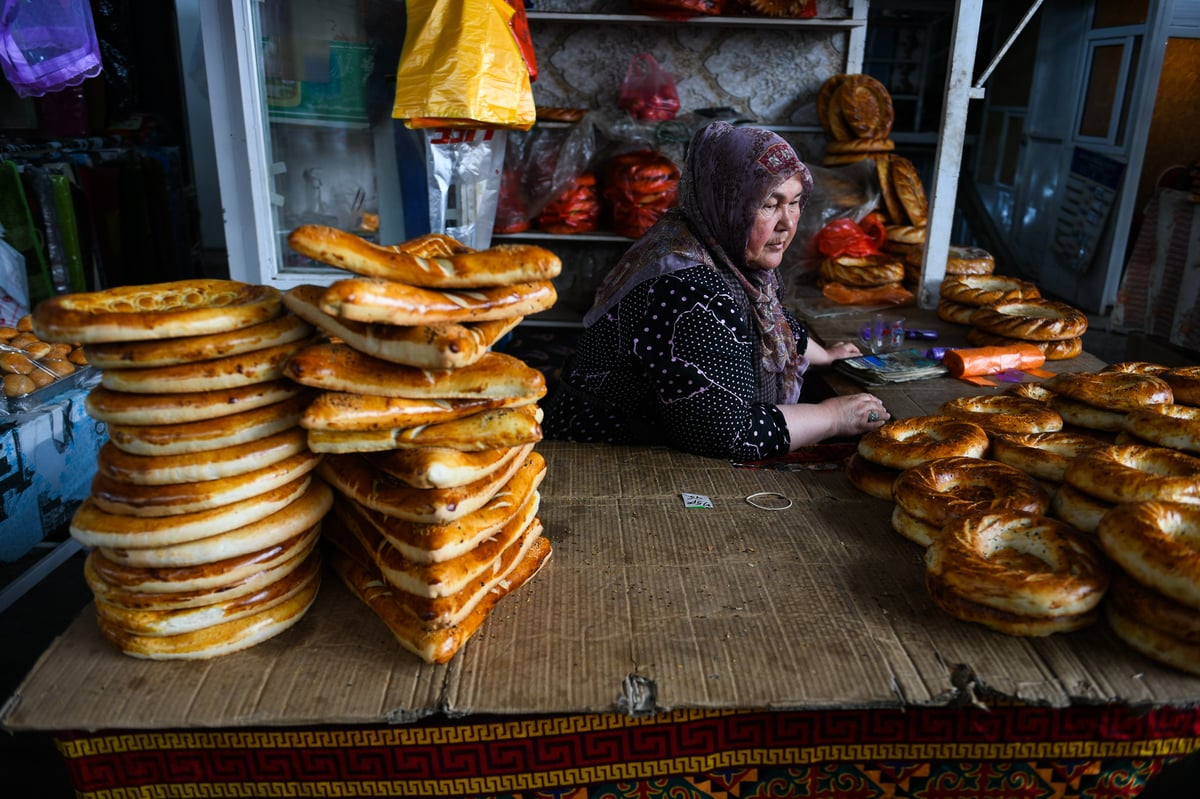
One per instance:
(664, 650)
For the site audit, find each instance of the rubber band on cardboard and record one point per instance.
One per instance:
(773, 495)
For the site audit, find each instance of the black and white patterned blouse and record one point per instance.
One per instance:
(673, 363)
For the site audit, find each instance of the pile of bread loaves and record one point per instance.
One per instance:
(27, 363)
(427, 433)
(1006, 310)
(238, 418)
(204, 514)
(1045, 507)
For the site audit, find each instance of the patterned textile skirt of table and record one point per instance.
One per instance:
(1004, 752)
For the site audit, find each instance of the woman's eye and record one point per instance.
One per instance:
(770, 208)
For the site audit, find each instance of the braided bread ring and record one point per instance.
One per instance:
(1062, 350)
(1132, 472)
(1156, 644)
(904, 443)
(1114, 391)
(866, 272)
(1078, 509)
(906, 234)
(963, 260)
(1033, 391)
(1089, 417)
(1042, 455)
(871, 478)
(980, 290)
(1031, 320)
(1174, 426)
(1015, 624)
(954, 312)
(1004, 414)
(1136, 367)
(945, 489)
(916, 530)
(1185, 383)
(1151, 608)
(1157, 544)
(1019, 562)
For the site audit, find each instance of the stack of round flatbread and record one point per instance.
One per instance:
(427, 434)
(1055, 328)
(857, 114)
(204, 512)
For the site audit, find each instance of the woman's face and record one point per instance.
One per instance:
(775, 225)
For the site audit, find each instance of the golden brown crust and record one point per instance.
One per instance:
(891, 203)
(1062, 350)
(1156, 544)
(209, 434)
(825, 102)
(1078, 509)
(966, 260)
(1151, 608)
(140, 588)
(979, 290)
(865, 271)
(910, 191)
(92, 526)
(918, 531)
(1019, 562)
(441, 467)
(1085, 416)
(354, 477)
(199, 466)
(120, 407)
(340, 410)
(491, 429)
(366, 299)
(1136, 367)
(865, 106)
(955, 313)
(1014, 624)
(161, 310)
(219, 639)
(232, 371)
(432, 646)
(1185, 384)
(904, 443)
(177, 621)
(499, 265)
(1001, 413)
(282, 329)
(1113, 391)
(945, 489)
(1156, 644)
(906, 234)
(1044, 456)
(871, 478)
(1031, 320)
(135, 499)
(443, 346)
(1168, 425)
(1132, 472)
(337, 367)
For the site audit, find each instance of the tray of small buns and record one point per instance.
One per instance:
(35, 371)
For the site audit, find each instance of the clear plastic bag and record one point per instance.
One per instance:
(648, 91)
(48, 46)
(464, 170)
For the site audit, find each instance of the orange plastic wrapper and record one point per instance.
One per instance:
(990, 360)
(891, 294)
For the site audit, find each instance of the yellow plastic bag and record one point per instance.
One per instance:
(461, 66)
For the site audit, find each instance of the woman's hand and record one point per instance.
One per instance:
(823, 356)
(849, 415)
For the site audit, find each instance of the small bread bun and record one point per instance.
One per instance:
(18, 385)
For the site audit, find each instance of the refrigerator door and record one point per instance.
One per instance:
(300, 93)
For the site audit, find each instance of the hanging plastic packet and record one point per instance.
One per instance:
(14, 288)
(48, 46)
(465, 166)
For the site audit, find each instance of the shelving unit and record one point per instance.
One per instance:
(718, 61)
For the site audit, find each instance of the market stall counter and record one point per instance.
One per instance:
(701, 626)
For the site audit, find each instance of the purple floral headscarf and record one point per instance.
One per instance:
(730, 171)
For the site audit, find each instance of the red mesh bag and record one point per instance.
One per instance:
(639, 187)
(575, 210)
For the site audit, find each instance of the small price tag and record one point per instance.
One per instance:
(696, 501)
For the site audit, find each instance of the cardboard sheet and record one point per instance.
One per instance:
(646, 604)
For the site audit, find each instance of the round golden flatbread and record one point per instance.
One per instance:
(123, 407)
(172, 351)
(160, 310)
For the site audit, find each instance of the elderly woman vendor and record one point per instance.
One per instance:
(687, 344)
